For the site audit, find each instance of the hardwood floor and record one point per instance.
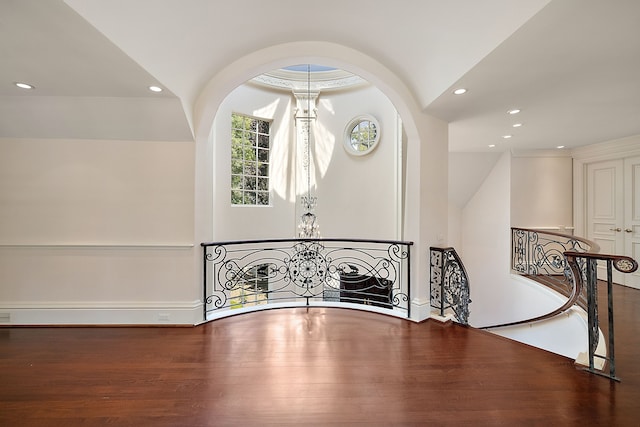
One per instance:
(315, 366)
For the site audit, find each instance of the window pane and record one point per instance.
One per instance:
(263, 184)
(263, 155)
(236, 182)
(236, 135)
(249, 198)
(249, 168)
(236, 167)
(237, 121)
(249, 183)
(263, 170)
(236, 197)
(246, 122)
(263, 141)
(249, 153)
(263, 198)
(263, 127)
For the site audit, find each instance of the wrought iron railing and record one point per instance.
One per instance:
(568, 264)
(588, 280)
(539, 255)
(449, 284)
(259, 274)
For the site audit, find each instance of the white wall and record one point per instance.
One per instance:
(254, 222)
(527, 190)
(467, 172)
(486, 247)
(454, 228)
(357, 196)
(498, 296)
(97, 231)
(541, 190)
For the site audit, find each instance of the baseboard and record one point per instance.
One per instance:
(420, 309)
(101, 313)
(442, 319)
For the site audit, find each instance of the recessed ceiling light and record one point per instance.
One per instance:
(155, 88)
(459, 91)
(517, 125)
(506, 136)
(492, 145)
(560, 146)
(514, 111)
(24, 85)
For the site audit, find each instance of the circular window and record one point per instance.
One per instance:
(361, 135)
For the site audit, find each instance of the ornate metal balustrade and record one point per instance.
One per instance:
(449, 284)
(587, 278)
(568, 264)
(260, 274)
(539, 255)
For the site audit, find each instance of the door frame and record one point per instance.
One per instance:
(611, 150)
(583, 156)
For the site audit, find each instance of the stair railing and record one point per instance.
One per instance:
(568, 264)
(589, 280)
(450, 292)
(539, 255)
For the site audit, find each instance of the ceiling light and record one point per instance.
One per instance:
(514, 111)
(560, 146)
(24, 85)
(506, 136)
(517, 125)
(459, 91)
(155, 88)
(492, 145)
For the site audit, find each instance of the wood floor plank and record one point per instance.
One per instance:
(315, 366)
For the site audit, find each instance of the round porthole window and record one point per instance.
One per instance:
(361, 135)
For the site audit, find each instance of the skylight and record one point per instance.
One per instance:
(313, 68)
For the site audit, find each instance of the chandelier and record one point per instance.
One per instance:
(308, 228)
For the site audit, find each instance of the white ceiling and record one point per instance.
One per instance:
(572, 66)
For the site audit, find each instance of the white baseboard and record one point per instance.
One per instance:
(442, 319)
(420, 309)
(101, 313)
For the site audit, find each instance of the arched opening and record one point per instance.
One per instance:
(423, 219)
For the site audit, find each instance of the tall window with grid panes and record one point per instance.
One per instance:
(249, 160)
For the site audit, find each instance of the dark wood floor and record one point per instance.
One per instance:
(302, 367)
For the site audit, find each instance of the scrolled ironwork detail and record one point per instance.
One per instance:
(251, 273)
(568, 265)
(449, 284)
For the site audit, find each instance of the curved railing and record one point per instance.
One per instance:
(539, 255)
(584, 269)
(450, 292)
(568, 264)
(260, 274)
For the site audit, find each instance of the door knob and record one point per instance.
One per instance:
(628, 230)
(618, 229)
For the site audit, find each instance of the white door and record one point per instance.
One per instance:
(605, 207)
(631, 227)
(613, 212)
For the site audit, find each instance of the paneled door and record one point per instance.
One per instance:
(613, 212)
(632, 216)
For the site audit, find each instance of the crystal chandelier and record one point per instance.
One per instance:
(308, 227)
